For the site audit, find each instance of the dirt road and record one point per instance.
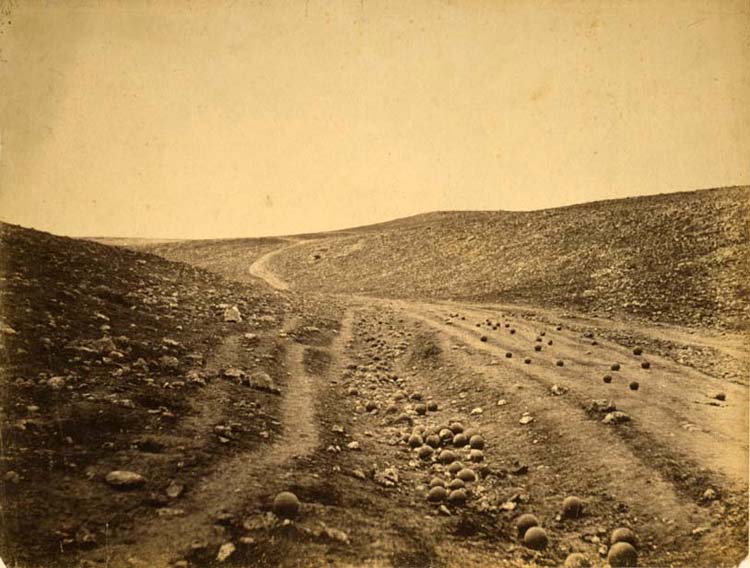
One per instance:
(676, 470)
(236, 482)
(261, 268)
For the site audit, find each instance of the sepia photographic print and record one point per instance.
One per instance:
(374, 283)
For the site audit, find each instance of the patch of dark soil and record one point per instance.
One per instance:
(316, 361)
(416, 550)
(425, 350)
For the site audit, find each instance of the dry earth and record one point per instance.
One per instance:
(337, 397)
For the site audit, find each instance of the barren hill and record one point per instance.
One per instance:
(110, 361)
(682, 258)
(146, 424)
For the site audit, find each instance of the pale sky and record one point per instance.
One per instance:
(169, 118)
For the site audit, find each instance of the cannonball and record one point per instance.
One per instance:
(456, 427)
(607, 378)
(457, 497)
(425, 452)
(720, 396)
(447, 457)
(645, 365)
(415, 440)
(615, 366)
(421, 409)
(456, 484)
(446, 435)
(508, 354)
(637, 351)
(483, 339)
(537, 347)
(432, 406)
(623, 534)
(460, 440)
(370, 406)
(286, 505)
(476, 442)
(476, 455)
(527, 360)
(536, 538)
(572, 507)
(437, 482)
(437, 494)
(466, 475)
(525, 522)
(622, 554)
(560, 363)
(512, 331)
(634, 385)
(549, 342)
(433, 440)
(455, 467)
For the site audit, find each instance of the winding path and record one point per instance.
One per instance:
(261, 268)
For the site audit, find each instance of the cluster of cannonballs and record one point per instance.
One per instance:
(634, 385)
(443, 444)
(622, 542)
(538, 347)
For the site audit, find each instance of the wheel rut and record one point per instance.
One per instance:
(238, 479)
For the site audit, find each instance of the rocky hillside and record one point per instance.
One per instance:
(113, 399)
(228, 257)
(682, 258)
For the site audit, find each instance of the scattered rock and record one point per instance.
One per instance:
(387, 477)
(232, 315)
(225, 551)
(616, 417)
(577, 560)
(601, 405)
(122, 479)
(174, 490)
(558, 390)
(710, 494)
